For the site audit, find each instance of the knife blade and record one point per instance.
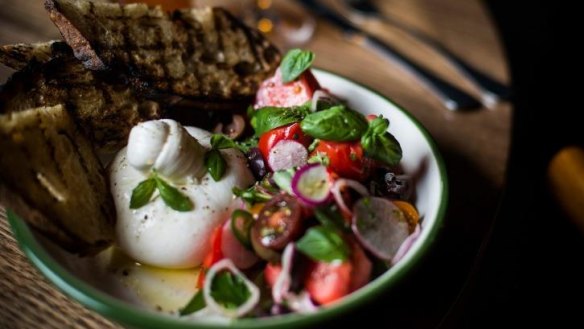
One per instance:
(451, 96)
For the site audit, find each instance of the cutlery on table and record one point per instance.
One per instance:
(451, 96)
(491, 90)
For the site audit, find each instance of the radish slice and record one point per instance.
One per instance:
(406, 245)
(340, 184)
(312, 184)
(231, 247)
(252, 301)
(287, 154)
(380, 226)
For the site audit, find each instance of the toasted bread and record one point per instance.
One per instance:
(197, 53)
(51, 177)
(19, 55)
(103, 104)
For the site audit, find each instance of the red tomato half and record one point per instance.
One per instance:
(346, 159)
(273, 92)
(214, 255)
(328, 282)
(289, 132)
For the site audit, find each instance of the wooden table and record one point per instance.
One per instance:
(475, 146)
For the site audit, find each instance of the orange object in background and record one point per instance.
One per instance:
(166, 4)
(566, 179)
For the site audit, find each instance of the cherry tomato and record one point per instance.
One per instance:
(271, 273)
(279, 222)
(328, 282)
(362, 266)
(410, 212)
(346, 159)
(273, 92)
(289, 132)
(213, 256)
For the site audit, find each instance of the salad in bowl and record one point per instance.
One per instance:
(318, 202)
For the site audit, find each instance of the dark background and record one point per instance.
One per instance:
(531, 272)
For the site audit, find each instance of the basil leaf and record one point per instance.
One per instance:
(196, 303)
(330, 217)
(215, 164)
(335, 124)
(142, 193)
(172, 197)
(283, 178)
(294, 63)
(251, 195)
(379, 144)
(268, 118)
(220, 142)
(324, 244)
(229, 290)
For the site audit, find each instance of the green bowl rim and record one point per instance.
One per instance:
(126, 314)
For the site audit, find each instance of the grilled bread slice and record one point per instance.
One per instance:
(102, 103)
(197, 53)
(51, 177)
(19, 55)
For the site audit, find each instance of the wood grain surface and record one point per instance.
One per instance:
(474, 144)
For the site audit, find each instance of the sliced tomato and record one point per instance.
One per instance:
(346, 159)
(362, 267)
(290, 132)
(328, 282)
(271, 273)
(273, 92)
(213, 256)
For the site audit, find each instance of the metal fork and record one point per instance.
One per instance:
(491, 90)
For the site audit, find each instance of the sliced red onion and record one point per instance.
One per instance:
(406, 245)
(380, 226)
(227, 265)
(340, 184)
(282, 285)
(312, 184)
(300, 302)
(232, 248)
(287, 154)
(321, 95)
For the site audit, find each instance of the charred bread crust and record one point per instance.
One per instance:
(51, 177)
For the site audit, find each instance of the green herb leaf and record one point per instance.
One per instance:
(337, 123)
(229, 290)
(172, 197)
(331, 218)
(142, 193)
(241, 222)
(215, 164)
(268, 118)
(379, 144)
(313, 145)
(324, 244)
(252, 195)
(220, 142)
(283, 178)
(245, 145)
(196, 303)
(321, 158)
(294, 63)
